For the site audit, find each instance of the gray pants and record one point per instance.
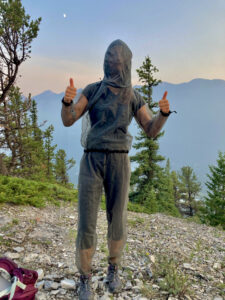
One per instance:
(98, 170)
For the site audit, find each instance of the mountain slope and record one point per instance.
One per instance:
(185, 258)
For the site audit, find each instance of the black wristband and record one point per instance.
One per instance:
(65, 103)
(167, 114)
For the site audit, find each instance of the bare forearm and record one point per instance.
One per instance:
(155, 125)
(68, 115)
(72, 113)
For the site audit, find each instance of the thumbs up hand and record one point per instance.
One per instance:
(71, 92)
(164, 104)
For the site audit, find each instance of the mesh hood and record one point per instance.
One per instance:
(117, 65)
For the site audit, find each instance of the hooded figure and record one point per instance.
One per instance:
(110, 112)
(110, 106)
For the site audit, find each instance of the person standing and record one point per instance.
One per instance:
(111, 104)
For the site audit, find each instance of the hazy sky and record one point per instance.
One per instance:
(184, 38)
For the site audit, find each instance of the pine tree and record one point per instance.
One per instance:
(34, 168)
(214, 211)
(144, 177)
(17, 32)
(189, 188)
(13, 134)
(176, 189)
(49, 152)
(165, 191)
(62, 166)
(26, 150)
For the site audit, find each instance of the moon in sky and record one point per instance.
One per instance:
(64, 15)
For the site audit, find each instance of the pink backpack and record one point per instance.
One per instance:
(16, 283)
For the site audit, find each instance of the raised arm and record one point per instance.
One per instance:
(152, 125)
(71, 113)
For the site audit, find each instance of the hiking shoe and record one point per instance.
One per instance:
(113, 280)
(85, 291)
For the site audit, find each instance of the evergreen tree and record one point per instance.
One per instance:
(26, 150)
(62, 166)
(165, 192)
(189, 188)
(214, 211)
(149, 199)
(144, 177)
(34, 167)
(176, 188)
(49, 152)
(13, 134)
(17, 32)
(36, 132)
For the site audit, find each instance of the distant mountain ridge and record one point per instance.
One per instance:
(192, 137)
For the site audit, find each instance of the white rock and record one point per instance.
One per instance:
(62, 291)
(137, 288)
(155, 286)
(18, 249)
(40, 284)
(60, 264)
(52, 277)
(40, 296)
(95, 285)
(106, 296)
(218, 298)
(140, 276)
(217, 266)
(12, 255)
(30, 257)
(128, 285)
(40, 274)
(55, 285)
(101, 285)
(67, 284)
(152, 258)
(188, 266)
(48, 284)
(54, 292)
(94, 278)
(139, 283)
(72, 270)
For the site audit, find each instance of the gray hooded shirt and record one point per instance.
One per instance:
(110, 114)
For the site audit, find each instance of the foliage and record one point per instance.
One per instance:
(173, 280)
(189, 188)
(62, 166)
(35, 193)
(176, 188)
(32, 153)
(17, 32)
(165, 192)
(147, 158)
(214, 210)
(49, 152)
(151, 185)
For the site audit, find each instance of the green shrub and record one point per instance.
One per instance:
(173, 280)
(22, 191)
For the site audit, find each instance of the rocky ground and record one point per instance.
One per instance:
(164, 258)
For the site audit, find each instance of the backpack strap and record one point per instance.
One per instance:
(11, 290)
